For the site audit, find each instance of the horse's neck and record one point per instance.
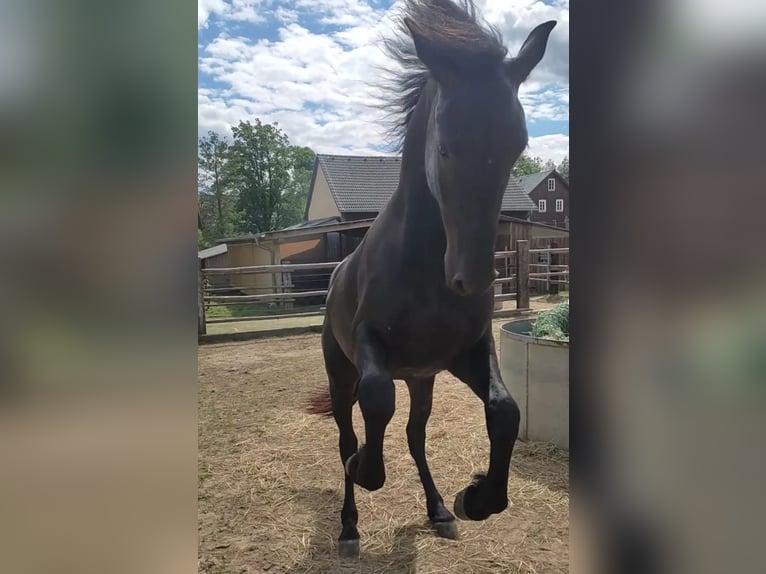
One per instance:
(422, 224)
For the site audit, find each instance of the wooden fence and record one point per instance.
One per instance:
(281, 301)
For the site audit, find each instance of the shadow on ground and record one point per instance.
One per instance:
(543, 464)
(322, 555)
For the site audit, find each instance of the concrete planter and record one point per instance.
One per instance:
(536, 372)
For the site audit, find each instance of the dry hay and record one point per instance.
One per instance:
(271, 483)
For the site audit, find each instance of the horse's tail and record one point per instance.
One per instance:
(321, 404)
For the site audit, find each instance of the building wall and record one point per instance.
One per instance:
(246, 255)
(295, 249)
(516, 214)
(536, 232)
(322, 202)
(220, 260)
(551, 216)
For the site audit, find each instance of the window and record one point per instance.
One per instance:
(560, 205)
(551, 184)
(541, 205)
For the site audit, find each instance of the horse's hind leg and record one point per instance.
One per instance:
(488, 494)
(343, 381)
(421, 399)
(377, 401)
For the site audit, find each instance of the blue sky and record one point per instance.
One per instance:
(308, 65)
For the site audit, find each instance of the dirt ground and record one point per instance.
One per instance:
(271, 481)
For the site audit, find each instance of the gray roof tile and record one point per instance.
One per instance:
(531, 181)
(364, 183)
(515, 199)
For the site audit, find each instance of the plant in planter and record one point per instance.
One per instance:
(552, 323)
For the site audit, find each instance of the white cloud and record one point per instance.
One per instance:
(515, 19)
(545, 102)
(207, 7)
(318, 86)
(245, 11)
(232, 10)
(286, 15)
(552, 146)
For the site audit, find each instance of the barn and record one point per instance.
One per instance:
(350, 188)
(346, 194)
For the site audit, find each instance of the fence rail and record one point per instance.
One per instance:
(267, 297)
(270, 268)
(242, 294)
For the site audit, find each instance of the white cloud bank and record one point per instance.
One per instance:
(318, 85)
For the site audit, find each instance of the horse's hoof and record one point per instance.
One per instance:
(348, 549)
(460, 505)
(446, 529)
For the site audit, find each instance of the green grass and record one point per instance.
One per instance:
(252, 310)
(553, 323)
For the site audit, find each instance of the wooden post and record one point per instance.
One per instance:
(553, 289)
(522, 270)
(547, 276)
(498, 292)
(276, 277)
(507, 263)
(201, 326)
(287, 281)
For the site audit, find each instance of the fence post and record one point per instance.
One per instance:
(201, 324)
(522, 274)
(553, 286)
(287, 282)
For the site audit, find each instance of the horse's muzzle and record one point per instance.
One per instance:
(463, 287)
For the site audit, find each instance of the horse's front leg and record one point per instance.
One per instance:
(421, 401)
(377, 401)
(488, 494)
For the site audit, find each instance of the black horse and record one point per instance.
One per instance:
(415, 297)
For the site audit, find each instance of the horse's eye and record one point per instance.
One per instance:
(442, 150)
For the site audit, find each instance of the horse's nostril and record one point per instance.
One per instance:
(458, 285)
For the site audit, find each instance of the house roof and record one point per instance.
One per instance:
(313, 223)
(213, 251)
(365, 183)
(515, 199)
(307, 229)
(531, 181)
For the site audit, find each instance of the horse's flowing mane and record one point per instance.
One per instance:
(454, 29)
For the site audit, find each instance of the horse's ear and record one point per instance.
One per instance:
(531, 53)
(437, 62)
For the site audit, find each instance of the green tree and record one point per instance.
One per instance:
(296, 195)
(269, 176)
(563, 169)
(217, 213)
(527, 165)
